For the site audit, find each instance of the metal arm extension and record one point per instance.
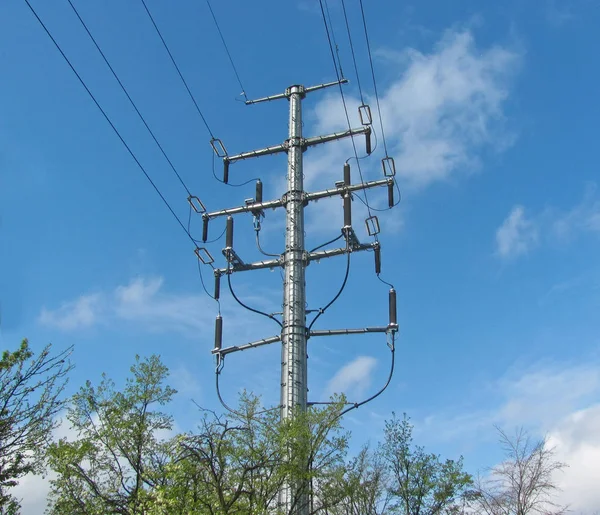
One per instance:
(286, 94)
(305, 143)
(309, 256)
(273, 204)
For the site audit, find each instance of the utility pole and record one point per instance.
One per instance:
(294, 499)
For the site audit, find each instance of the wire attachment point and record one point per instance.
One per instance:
(218, 147)
(364, 111)
(372, 224)
(204, 255)
(389, 166)
(196, 204)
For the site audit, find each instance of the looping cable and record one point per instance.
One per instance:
(258, 312)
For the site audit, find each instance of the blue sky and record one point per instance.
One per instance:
(490, 113)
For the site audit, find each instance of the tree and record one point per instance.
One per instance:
(524, 483)
(420, 483)
(30, 390)
(118, 458)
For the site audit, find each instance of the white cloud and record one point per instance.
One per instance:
(70, 316)
(354, 377)
(517, 235)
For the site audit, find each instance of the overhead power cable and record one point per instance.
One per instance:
(141, 167)
(129, 97)
(362, 10)
(344, 104)
(352, 50)
(178, 70)
(237, 75)
(337, 48)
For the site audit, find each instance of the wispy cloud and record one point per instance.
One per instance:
(517, 235)
(521, 233)
(78, 314)
(354, 377)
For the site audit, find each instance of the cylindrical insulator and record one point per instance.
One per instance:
(377, 260)
(205, 229)
(219, 332)
(259, 186)
(217, 286)
(393, 317)
(229, 233)
(391, 194)
(225, 170)
(368, 141)
(347, 211)
(347, 174)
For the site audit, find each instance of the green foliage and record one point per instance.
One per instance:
(118, 458)
(30, 389)
(420, 483)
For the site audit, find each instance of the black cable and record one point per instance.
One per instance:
(353, 54)
(248, 307)
(327, 243)
(344, 104)
(226, 406)
(177, 68)
(387, 383)
(200, 241)
(321, 311)
(227, 49)
(337, 48)
(204, 287)
(260, 248)
(373, 75)
(141, 167)
(129, 97)
(387, 208)
(228, 183)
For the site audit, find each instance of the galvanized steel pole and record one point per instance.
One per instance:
(293, 336)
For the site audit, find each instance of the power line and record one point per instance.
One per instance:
(227, 49)
(129, 97)
(337, 48)
(373, 75)
(141, 167)
(344, 104)
(352, 50)
(177, 68)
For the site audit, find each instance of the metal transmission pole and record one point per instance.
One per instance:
(294, 260)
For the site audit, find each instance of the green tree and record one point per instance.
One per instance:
(30, 390)
(420, 483)
(119, 457)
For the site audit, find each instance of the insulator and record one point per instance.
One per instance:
(259, 192)
(377, 260)
(205, 229)
(219, 332)
(229, 233)
(217, 286)
(225, 170)
(347, 210)
(368, 141)
(391, 194)
(347, 174)
(393, 317)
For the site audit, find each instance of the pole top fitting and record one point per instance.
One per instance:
(295, 89)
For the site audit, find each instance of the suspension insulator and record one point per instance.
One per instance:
(347, 210)
(368, 141)
(218, 332)
(217, 286)
(259, 191)
(393, 315)
(205, 229)
(229, 233)
(225, 170)
(347, 174)
(391, 194)
(377, 260)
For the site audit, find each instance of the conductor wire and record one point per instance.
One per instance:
(248, 307)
